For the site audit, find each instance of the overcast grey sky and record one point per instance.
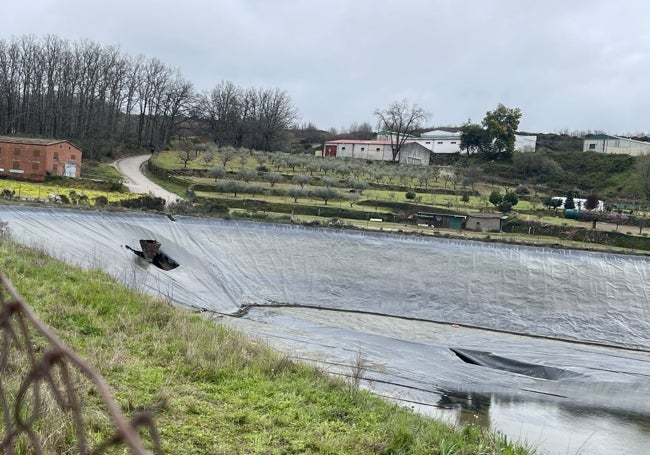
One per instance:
(574, 65)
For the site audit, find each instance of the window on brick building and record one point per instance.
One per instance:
(35, 165)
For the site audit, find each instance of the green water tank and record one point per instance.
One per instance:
(572, 213)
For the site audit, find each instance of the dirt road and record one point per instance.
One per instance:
(138, 183)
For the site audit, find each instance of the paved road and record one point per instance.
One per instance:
(138, 183)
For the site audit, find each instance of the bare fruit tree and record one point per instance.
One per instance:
(399, 120)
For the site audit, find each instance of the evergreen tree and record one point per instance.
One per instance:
(569, 204)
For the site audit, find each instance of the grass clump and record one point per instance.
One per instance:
(211, 389)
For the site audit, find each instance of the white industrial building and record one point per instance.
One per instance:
(359, 149)
(604, 143)
(415, 150)
(579, 203)
(418, 150)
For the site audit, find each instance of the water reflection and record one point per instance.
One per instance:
(471, 408)
(545, 426)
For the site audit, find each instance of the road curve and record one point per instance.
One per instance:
(138, 183)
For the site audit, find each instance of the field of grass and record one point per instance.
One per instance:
(100, 171)
(211, 389)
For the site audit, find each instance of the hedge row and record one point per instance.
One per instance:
(579, 234)
(305, 210)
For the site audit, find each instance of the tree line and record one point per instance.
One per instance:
(97, 95)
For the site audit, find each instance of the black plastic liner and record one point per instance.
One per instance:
(489, 360)
(152, 253)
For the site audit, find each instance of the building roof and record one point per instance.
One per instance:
(440, 134)
(29, 140)
(426, 215)
(608, 136)
(601, 136)
(490, 216)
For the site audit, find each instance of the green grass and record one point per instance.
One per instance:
(100, 171)
(212, 390)
(41, 191)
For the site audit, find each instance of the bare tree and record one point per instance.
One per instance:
(399, 120)
(221, 112)
(275, 115)
(185, 155)
(87, 92)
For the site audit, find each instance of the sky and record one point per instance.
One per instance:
(570, 66)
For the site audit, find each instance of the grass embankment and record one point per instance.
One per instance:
(212, 390)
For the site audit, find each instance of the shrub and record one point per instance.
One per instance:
(511, 198)
(144, 202)
(101, 201)
(410, 195)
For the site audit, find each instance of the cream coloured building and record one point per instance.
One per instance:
(604, 143)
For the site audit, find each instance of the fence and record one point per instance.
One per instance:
(51, 400)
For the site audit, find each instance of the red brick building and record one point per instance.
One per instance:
(34, 159)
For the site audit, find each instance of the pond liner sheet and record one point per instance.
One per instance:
(403, 303)
(490, 360)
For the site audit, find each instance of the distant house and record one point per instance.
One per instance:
(604, 143)
(34, 159)
(373, 150)
(484, 222)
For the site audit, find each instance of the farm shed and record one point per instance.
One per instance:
(605, 143)
(34, 159)
(440, 220)
(365, 150)
(484, 222)
(414, 153)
